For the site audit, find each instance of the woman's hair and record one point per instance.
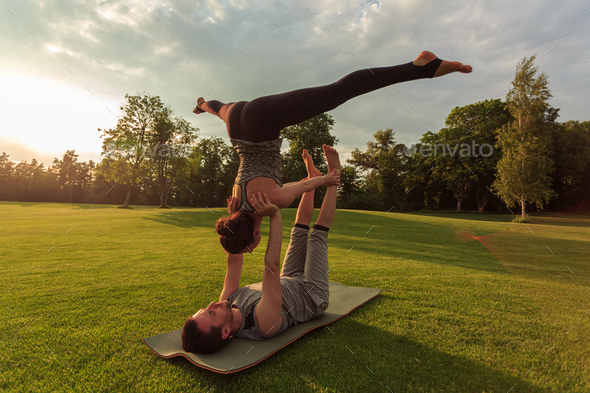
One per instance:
(236, 232)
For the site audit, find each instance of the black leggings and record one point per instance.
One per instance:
(263, 118)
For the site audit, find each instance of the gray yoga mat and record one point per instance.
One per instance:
(239, 354)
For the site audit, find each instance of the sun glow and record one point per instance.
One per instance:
(54, 116)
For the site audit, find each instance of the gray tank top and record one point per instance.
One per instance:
(262, 159)
(293, 311)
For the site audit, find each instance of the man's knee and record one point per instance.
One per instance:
(322, 307)
(320, 295)
(319, 238)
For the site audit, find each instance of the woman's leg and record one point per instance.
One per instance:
(214, 107)
(282, 110)
(263, 118)
(230, 114)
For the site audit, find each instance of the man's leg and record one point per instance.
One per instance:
(295, 257)
(329, 205)
(316, 273)
(305, 210)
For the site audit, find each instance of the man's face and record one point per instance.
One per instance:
(216, 314)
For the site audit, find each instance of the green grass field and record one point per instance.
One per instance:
(81, 288)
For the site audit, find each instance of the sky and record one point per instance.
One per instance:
(66, 65)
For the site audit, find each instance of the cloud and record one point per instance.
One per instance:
(239, 50)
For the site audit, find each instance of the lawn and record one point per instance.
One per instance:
(469, 302)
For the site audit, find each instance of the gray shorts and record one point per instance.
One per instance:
(307, 257)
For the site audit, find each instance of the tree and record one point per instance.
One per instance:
(383, 165)
(310, 134)
(524, 171)
(450, 169)
(23, 176)
(44, 186)
(127, 144)
(463, 155)
(85, 176)
(571, 149)
(210, 175)
(349, 182)
(6, 177)
(419, 179)
(171, 144)
(67, 172)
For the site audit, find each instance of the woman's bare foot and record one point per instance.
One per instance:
(312, 171)
(333, 158)
(446, 67)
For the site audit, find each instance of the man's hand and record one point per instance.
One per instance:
(263, 206)
(232, 205)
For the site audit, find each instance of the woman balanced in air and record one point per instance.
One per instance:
(254, 128)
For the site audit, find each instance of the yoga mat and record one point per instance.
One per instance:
(239, 354)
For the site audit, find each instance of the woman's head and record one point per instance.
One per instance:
(239, 232)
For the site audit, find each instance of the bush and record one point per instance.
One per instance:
(411, 206)
(520, 220)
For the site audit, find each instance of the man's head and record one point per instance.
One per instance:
(240, 232)
(208, 329)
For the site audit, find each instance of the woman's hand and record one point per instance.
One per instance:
(262, 205)
(232, 205)
(331, 180)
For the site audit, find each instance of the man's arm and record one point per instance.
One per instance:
(268, 312)
(232, 275)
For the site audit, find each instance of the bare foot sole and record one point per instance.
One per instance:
(312, 171)
(333, 159)
(446, 67)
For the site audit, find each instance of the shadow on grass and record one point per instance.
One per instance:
(470, 216)
(202, 218)
(349, 218)
(381, 360)
(389, 236)
(82, 206)
(545, 218)
(563, 220)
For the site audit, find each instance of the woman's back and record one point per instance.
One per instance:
(257, 160)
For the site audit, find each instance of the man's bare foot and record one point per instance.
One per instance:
(312, 171)
(446, 67)
(333, 158)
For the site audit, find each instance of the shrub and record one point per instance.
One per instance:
(520, 220)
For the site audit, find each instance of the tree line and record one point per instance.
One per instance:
(493, 155)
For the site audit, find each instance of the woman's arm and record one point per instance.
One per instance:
(234, 201)
(294, 182)
(284, 196)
